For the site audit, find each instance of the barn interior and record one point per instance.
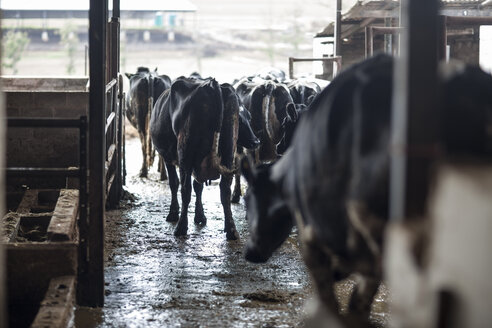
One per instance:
(84, 240)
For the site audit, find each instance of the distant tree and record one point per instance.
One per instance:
(70, 41)
(13, 45)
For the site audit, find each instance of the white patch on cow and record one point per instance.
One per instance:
(355, 211)
(210, 167)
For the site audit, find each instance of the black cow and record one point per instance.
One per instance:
(196, 125)
(145, 88)
(245, 116)
(303, 92)
(334, 182)
(267, 102)
(317, 185)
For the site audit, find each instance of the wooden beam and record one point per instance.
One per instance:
(415, 125)
(90, 290)
(370, 18)
(62, 223)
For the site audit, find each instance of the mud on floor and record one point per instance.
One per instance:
(154, 279)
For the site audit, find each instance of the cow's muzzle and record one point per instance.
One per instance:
(253, 254)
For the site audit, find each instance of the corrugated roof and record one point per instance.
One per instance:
(366, 11)
(83, 5)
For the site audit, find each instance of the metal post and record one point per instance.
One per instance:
(388, 38)
(338, 30)
(369, 41)
(291, 68)
(116, 9)
(415, 126)
(116, 190)
(91, 284)
(442, 38)
(3, 191)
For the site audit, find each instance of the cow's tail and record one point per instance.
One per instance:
(150, 149)
(267, 100)
(150, 104)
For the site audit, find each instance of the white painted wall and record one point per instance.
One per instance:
(321, 50)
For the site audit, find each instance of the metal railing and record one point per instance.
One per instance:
(444, 23)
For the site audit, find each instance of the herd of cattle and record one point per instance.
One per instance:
(316, 159)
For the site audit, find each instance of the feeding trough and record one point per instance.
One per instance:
(40, 238)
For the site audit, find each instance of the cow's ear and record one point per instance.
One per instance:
(247, 170)
(291, 111)
(129, 75)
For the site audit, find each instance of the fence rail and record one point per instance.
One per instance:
(337, 60)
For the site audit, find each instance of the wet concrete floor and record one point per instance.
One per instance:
(154, 279)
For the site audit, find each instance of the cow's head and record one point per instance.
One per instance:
(246, 136)
(270, 221)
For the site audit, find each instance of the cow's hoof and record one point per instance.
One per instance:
(172, 217)
(200, 219)
(143, 173)
(181, 230)
(235, 198)
(232, 234)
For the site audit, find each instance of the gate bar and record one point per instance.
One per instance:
(90, 291)
(415, 119)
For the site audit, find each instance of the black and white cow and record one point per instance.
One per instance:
(303, 91)
(267, 103)
(271, 73)
(145, 88)
(334, 182)
(196, 125)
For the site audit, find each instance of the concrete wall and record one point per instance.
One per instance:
(45, 98)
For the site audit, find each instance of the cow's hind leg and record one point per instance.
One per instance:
(361, 300)
(320, 267)
(161, 168)
(173, 215)
(182, 227)
(200, 218)
(225, 199)
(143, 169)
(236, 194)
